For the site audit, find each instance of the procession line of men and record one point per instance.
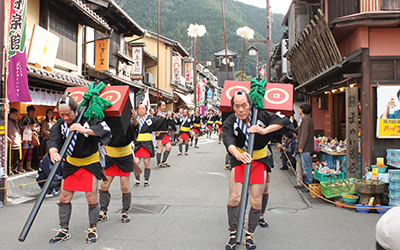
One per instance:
(82, 168)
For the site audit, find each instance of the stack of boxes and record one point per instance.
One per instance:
(394, 187)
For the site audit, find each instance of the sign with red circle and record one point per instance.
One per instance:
(278, 97)
(117, 95)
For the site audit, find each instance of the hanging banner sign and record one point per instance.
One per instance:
(388, 112)
(17, 80)
(176, 69)
(137, 67)
(43, 47)
(188, 72)
(101, 55)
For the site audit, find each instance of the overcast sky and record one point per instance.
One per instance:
(277, 6)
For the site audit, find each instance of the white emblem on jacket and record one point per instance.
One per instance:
(235, 125)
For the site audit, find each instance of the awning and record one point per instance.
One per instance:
(188, 99)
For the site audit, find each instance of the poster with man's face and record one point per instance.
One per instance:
(388, 112)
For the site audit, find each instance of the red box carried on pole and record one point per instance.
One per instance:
(118, 116)
(278, 97)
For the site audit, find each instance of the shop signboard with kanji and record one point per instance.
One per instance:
(101, 55)
(137, 67)
(388, 112)
(17, 79)
(176, 69)
(277, 98)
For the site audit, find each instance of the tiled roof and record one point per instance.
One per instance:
(65, 78)
(89, 13)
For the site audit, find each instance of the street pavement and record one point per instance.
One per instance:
(185, 208)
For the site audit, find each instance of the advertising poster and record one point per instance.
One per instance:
(388, 112)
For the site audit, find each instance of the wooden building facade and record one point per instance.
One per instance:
(341, 49)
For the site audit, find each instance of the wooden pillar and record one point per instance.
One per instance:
(352, 132)
(366, 113)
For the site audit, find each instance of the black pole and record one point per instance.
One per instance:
(39, 200)
(246, 178)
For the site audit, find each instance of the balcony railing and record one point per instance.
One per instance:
(377, 5)
(370, 5)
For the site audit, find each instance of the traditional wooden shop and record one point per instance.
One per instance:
(340, 61)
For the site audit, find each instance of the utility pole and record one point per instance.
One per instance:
(267, 41)
(3, 109)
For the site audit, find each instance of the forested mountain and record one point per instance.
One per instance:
(177, 15)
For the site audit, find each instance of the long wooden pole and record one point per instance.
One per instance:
(268, 38)
(3, 80)
(244, 53)
(158, 51)
(39, 200)
(226, 50)
(246, 179)
(195, 72)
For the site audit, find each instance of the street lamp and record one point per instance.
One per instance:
(194, 31)
(246, 33)
(253, 51)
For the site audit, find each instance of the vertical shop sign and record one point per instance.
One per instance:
(176, 69)
(352, 132)
(137, 67)
(188, 73)
(101, 55)
(17, 80)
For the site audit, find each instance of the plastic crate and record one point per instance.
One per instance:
(393, 200)
(394, 162)
(327, 177)
(331, 192)
(394, 191)
(394, 174)
(315, 190)
(394, 183)
(395, 153)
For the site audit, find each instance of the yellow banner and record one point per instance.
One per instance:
(101, 55)
(388, 128)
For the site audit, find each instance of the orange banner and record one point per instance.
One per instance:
(101, 55)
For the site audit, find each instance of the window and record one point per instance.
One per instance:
(114, 47)
(66, 28)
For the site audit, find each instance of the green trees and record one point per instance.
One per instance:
(176, 15)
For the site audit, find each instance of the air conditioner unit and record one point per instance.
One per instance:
(148, 78)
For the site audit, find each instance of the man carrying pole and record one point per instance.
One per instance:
(82, 169)
(163, 138)
(119, 162)
(197, 123)
(236, 137)
(144, 148)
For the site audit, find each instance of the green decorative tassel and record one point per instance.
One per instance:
(96, 104)
(257, 92)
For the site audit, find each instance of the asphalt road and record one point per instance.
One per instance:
(185, 208)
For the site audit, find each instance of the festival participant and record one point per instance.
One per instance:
(119, 162)
(237, 128)
(144, 148)
(218, 125)
(197, 123)
(184, 132)
(210, 123)
(163, 138)
(81, 167)
(28, 125)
